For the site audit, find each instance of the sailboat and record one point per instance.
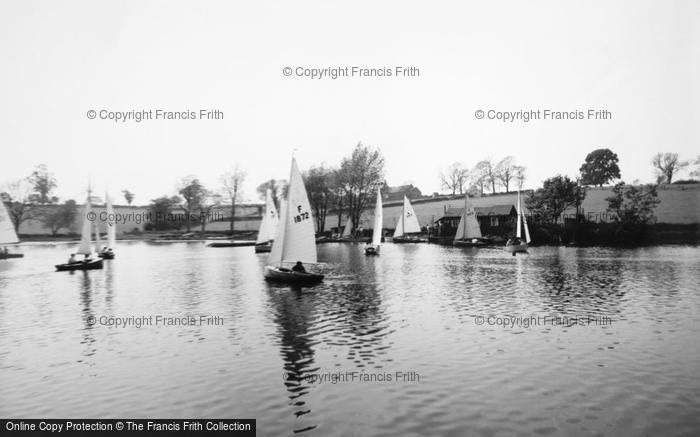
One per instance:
(373, 247)
(407, 224)
(468, 231)
(347, 231)
(295, 240)
(517, 244)
(108, 252)
(85, 248)
(268, 226)
(7, 233)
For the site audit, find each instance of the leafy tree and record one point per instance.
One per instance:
(43, 182)
(160, 209)
(20, 203)
(193, 193)
(454, 178)
(666, 165)
(232, 182)
(506, 171)
(487, 171)
(631, 205)
(556, 195)
(128, 196)
(60, 217)
(319, 183)
(359, 177)
(600, 167)
(209, 202)
(278, 189)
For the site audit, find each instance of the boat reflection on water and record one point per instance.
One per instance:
(293, 310)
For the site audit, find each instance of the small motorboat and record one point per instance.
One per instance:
(87, 264)
(284, 274)
(106, 254)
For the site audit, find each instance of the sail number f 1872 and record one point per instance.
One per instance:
(301, 216)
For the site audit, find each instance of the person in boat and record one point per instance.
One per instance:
(72, 259)
(299, 267)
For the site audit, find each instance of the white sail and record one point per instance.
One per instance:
(378, 220)
(84, 247)
(518, 223)
(398, 231)
(296, 238)
(408, 222)
(269, 223)
(522, 219)
(468, 227)
(111, 225)
(7, 228)
(96, 227)
(347, 230)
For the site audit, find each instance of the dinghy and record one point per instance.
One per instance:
(517, 245)
(268, 226)
(468, 231)
(85, 249)
(7, 234)
(373, 247)
(108, 252)
(407, 227)
(346, 236)
(295, 238)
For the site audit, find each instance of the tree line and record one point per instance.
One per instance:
(348, 189)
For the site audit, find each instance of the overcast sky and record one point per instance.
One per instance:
(637, 59)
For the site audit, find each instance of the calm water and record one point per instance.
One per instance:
(632, 369)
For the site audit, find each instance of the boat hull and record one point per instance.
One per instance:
(516, 248)
(232, 244)
(474, 242)
(11, 255)
(106, 255)
(282, 274)
(403, 240)
(81, 265)
(263, 248)
(372, 250)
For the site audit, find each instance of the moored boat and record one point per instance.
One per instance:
(295, 241)
(239, 243)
